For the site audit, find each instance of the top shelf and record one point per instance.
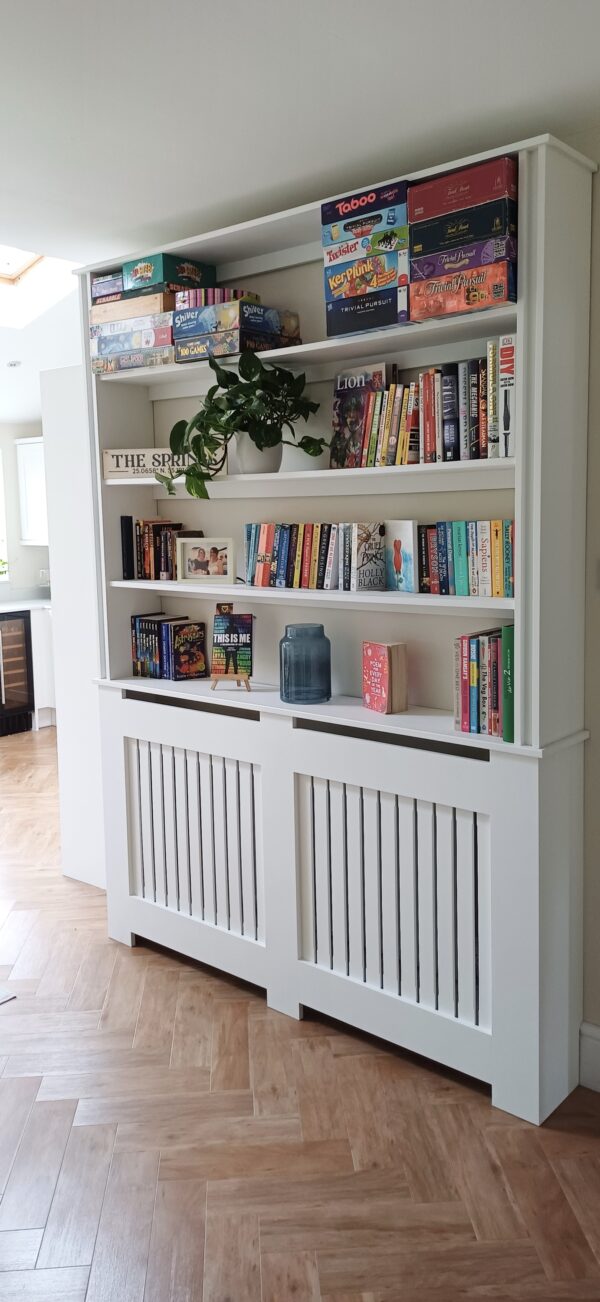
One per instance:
(321, 359)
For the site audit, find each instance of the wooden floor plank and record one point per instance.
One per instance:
(292, 1275)
(551, 1223)
(176, 1261)
(580, 1181)
(93, 977)
(477, 1174)
(192, 1032)
(121, 1254)
(154, 1030)
(72, 1224)
(230, 1065)
(232, 1258)
(32, 1181)
(318, 1091)
(45, 1286)
(19, 1249)
(16, 1101)
(124, 994)
(126, 1083)
(220, 1161)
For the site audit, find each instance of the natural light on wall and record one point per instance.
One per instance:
(30, 284)
(3, 542)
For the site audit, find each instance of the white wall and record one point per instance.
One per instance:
(24, 563)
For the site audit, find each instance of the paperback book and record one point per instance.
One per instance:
(385, 677)
(232, 644)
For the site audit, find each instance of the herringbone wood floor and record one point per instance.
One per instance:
(164, 1137)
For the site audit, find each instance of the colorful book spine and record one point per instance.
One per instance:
(461, 557)
(386, 424)
(413, 425)
(424, 575)
(450, 555)
(438, 415)
(456, 662)
(450, 433)
(442, 554)
(374, 432)
(508, 707)
(429, 430)
(484, 558)
(367, 422)
(506, 394)
(463, 410)
(483, 684)
(472, 558)
(473, 411)
(324, 535)
(508, 532)
(291, 560)
(493, 419)
(473, 684)
(299, 556)
(483, 421)
(331, 567)
(432, 552)
(306, 556)
(314, 555)
(494, 728)
(395, 425)
(282, 556)
(497, 548)
(465, 692)
(275, 554)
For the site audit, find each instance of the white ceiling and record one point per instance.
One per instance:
(124, 123)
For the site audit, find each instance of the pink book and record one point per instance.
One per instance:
(465, 723)
(376, 677)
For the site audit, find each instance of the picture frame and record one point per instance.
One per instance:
(205, 560)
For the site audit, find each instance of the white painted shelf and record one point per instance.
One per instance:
(345, 711)
(396, 602)
(451, 477)
(318, 358)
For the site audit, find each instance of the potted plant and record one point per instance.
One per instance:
(257, 407)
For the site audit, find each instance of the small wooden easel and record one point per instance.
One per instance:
(239, 679)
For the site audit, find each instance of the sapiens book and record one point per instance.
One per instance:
(385, 677)
(368, 557)
(350, 401)
(231, 644)
(401, 553)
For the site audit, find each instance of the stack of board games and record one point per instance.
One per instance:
(131, 317)
(466, 558)
(484, 683)
(463, 240)
(165, 646)
(225, 329)
(149, 548)
(385, 677)
(454, 412)
(365, 257)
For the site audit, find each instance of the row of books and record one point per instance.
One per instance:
(466, 558)
(484, 683)
(167, 647)
(149, 548)
(462, 411)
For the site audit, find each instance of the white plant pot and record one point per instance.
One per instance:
(295, 459)
(250, 459)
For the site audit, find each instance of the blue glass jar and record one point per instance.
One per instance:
(305, 665)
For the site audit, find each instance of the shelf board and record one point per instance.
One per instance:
(317, 359)
(419, 722)
(395, 602)
(451, 477)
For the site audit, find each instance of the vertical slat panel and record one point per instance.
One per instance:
(247, 850)
(257, 797)
(465, 914)
(446, 939)
(337, 817)
(206, 824)
(372, 887)
(147, 824)
(389, 893)
(305, 843)
(136, 859)
(220, 841)
(484, 911)
(158, 824)
(408, 906)
(182, 828)
(233, 845)
(170, 823)
(354, 841)
(194, 834)
(426, 903)
(322, 845)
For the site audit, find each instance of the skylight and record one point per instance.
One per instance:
(15, 262)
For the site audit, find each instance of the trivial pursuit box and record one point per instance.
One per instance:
(374, 311)
(363, 214)
(366, 275)
(158, 268)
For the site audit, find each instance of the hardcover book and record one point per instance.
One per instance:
(350, 402)
(368, 557)
(187, 650)
(401, 551)
(232, 645)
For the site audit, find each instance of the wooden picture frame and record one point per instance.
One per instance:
(205, 560)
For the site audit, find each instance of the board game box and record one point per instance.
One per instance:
(465, 291)
(364, 275)
(130, 340)
(131, 360)
(374, 311)
(488, 221)
(106, 283)
(124, 309)
(159, 267)
(391, 240)
(361, 214)
(237, 315)
(226, 343)
(494, 179)
(480, 254)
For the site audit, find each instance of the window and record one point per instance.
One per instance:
(3, 541)
(32, 492)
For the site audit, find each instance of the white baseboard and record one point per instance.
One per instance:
(589, 1055)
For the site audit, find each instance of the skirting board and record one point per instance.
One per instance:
(589, 1055)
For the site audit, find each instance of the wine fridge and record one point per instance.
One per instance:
(16, 672)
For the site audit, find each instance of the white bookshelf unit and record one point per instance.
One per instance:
(418, 883)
